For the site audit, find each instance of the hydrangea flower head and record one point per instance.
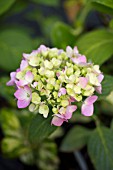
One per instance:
(57, 79)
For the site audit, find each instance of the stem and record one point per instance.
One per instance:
(97, 121)
(80, 160)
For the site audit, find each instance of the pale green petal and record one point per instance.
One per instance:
(35, 98)
(44, 109)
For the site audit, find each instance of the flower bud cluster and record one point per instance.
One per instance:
(57, 79)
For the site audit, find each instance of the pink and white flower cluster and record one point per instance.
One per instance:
(56, 78)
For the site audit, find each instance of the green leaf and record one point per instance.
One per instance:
(100, 148)
(47, 2)
(12, 44)
(111, 125)
(107, 86)
(13, 147)
(75, 139)
(111, 24)
(103, 5)
(40, 128)
(6, 118)
(6, 92)
(5, 5)
(109, 98)
(62, 35)
(96, 45)
(78, 117)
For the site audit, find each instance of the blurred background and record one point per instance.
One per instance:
(24, 25)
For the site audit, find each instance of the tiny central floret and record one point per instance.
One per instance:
(57, 79)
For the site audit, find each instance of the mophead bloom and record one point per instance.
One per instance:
(56, 79)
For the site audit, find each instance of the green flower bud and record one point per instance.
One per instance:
(57, 86)
(49, 73)
(34, 71)
(37, 77)
(84, 71)
(59, 57)
(40, 86)
(78, 97)
(35, 98)
(44, 109)
(41, 71)
(58, 100)
(70, 92)
(52, 102)
(69, 64)
(53, 53)
(69, 71)
(58, 82)
(62, 78)
(45, 53)
(75, 67)
(63, 56)
(88, 92)
(49, 86)
(70, 86)
(56, 62)
(55, 94)
(51, 81)
(77, 73)
(64, 103)
(72, 78)
(55, 110)
(28, 68)
(48, 64)
(77, 89)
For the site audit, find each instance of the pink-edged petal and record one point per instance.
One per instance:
(57, 74)
(29, 77)
(26, 56)
(60, 116)
(100, 78)
(12, 81)
(23, 103)
(90, 100)
(34, 84)
(75, 60)
(87, 110)
(21, 83)
(33, 53)
(23, 64)
(60, 51)
(70, 109)
(69, 51)
(42, 48)
(72, 99)
(27, 90)
(62, 91)
(82, 59)
(20, 94)
(83, 82)
(75, 50)
(98, 89)
(13, 75)
(57, 121)
(17, 70)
